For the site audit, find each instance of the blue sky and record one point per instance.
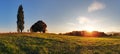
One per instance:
(62, 15)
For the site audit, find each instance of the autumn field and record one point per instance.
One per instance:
(36, 43)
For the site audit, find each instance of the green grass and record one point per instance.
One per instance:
(35, 43)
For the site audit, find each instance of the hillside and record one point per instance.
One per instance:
(35, 43)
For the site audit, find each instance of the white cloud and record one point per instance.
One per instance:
(83, 20)
(95, 6)
(87, 23)
(88, 20)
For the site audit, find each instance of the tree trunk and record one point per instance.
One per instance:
(21, 31)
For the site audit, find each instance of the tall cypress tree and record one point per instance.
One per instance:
(20, 19)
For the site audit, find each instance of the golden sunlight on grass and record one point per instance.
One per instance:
(38, 43)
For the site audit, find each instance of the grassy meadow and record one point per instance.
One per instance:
(36, 43)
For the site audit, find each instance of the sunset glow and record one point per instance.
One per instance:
(89, 28)
(62, 16)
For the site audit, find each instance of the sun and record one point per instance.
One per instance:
(89, 28)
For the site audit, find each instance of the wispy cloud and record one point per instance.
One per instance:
(95, 6)
(87, 23)
(87, 20)
(83, 20)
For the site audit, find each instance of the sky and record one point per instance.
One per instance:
(62, 15)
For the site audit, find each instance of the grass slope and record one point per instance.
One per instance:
(35, 43)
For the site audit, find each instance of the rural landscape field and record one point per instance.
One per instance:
(35, 43)
(59, 27)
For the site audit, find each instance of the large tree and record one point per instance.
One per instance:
(20, 19)
(39, 26)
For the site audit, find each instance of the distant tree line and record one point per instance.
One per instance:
(113, 33)
(39, 26)
(86, 33)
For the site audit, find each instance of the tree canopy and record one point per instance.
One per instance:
(39, 26)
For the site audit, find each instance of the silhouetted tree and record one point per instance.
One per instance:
(20, 19)
(39, 26)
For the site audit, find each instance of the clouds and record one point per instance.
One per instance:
(87, 20)
(83, 20)
(95, 6)
(84, 23)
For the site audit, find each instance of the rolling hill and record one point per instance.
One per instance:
(36, 43)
